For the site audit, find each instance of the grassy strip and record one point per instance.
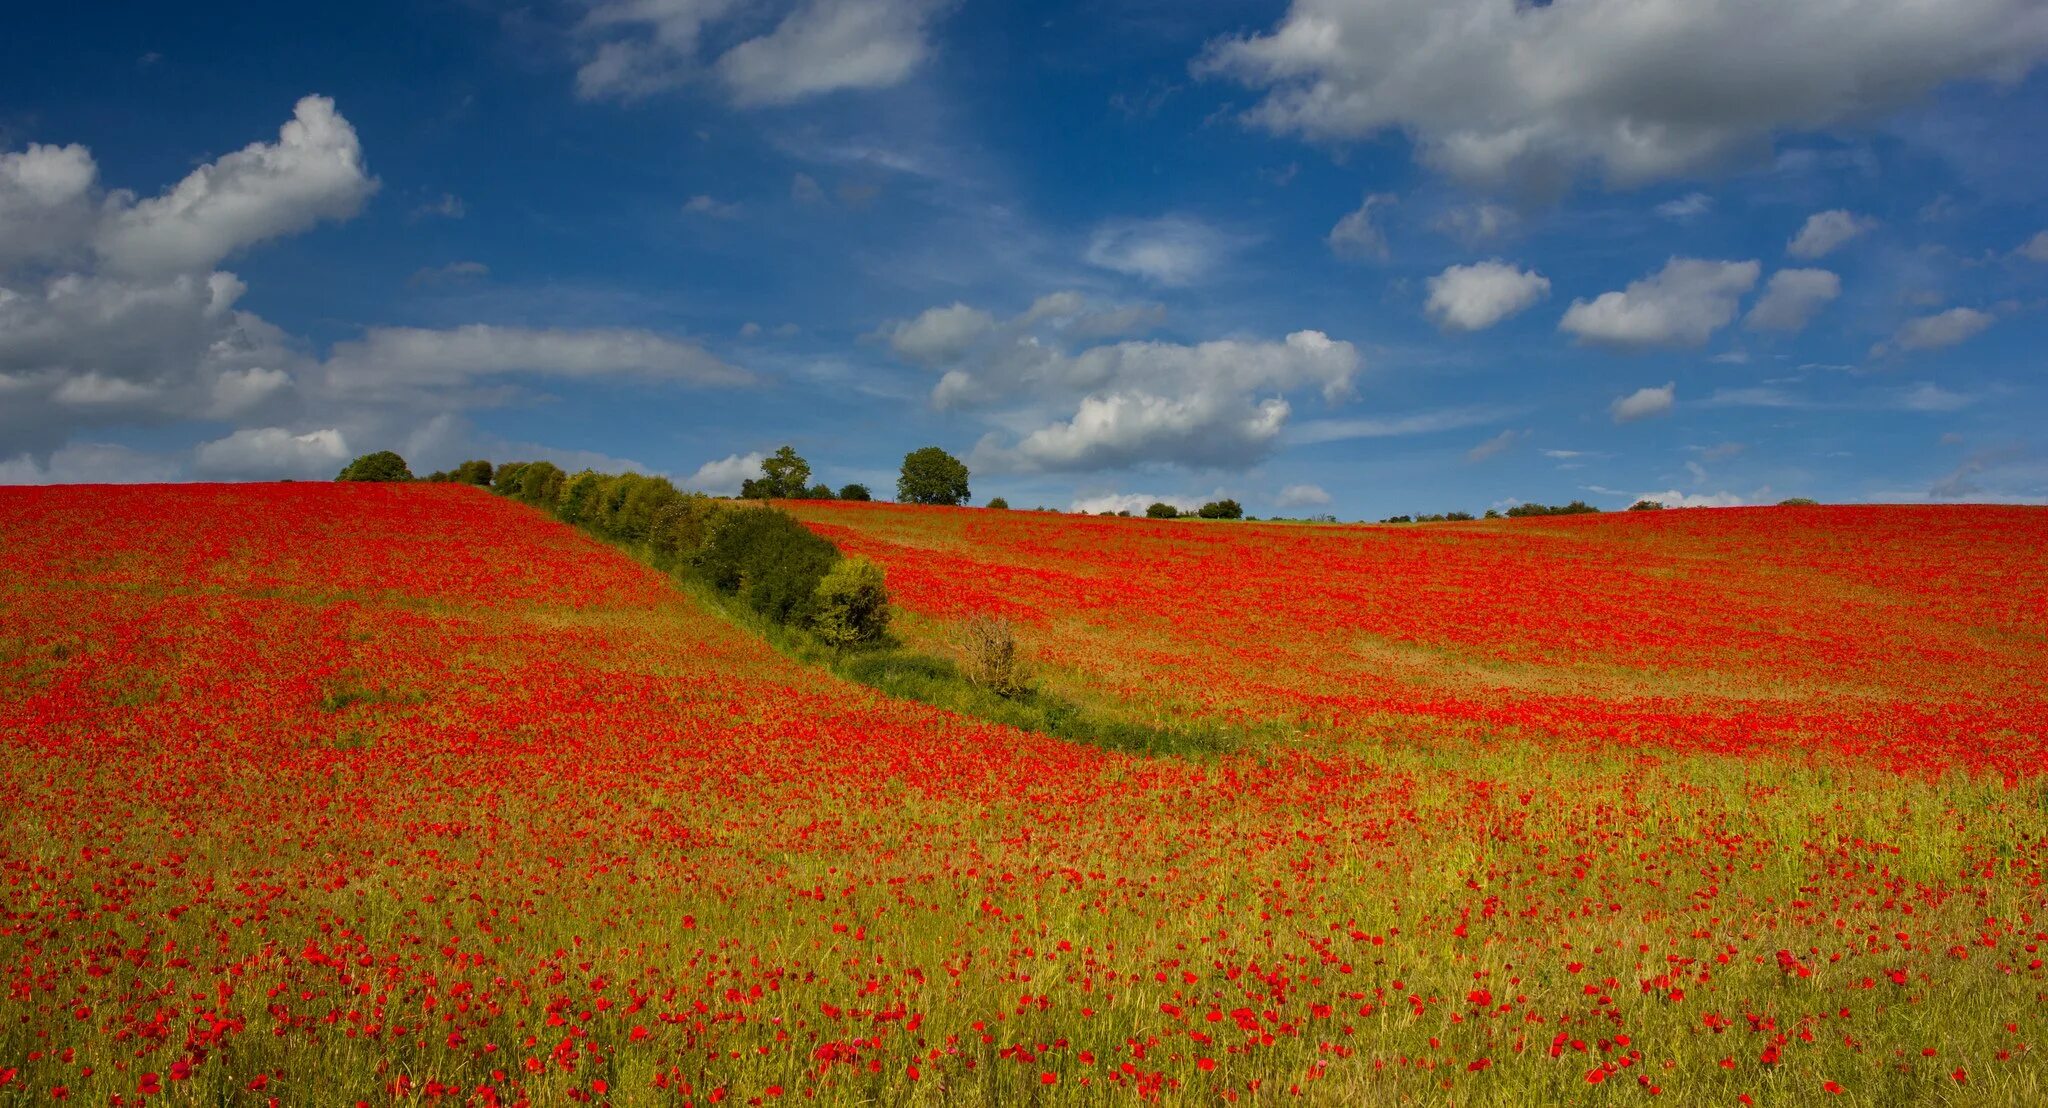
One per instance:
(895, 670)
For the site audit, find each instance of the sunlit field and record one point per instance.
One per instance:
(318, 794)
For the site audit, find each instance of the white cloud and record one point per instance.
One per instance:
(1942, 329)
(1494, 445)
(1644, 403)
(1075, 316)
(314, 171)
(939, 336)
(2036, 248)
(1121, 429)
(1500, 92)
(1929, 397)
(1132, 502)
(1475, 297)
(725, 475)
(635, 48)
(46, 204)
(701, 204)
(1302, 496)
(88, 463)
(1478, 223)
(272, 452)
(1791, 298)
(1690, 206)
(1170, 250)
(1672, 498)
(1823, 232)
(1356, 235)
(413, 357)
(1680, 305)
(1312, 432)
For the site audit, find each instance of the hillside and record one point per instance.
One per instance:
(337, 792)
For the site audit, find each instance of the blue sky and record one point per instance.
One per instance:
(1360, 257)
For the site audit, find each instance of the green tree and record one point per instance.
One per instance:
(819, 491)
(784, 476)
(852, 604)
(1647, 506)
(1221, 509)
(932, 476)
(770, 561)
(855, 492)
(473, 472)
(1160, 509)
(999, 504)
(384, 465)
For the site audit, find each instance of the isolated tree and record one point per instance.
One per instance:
(1221, 509)
(855, 492)
(932, 476)
(1799, 502)
(1160, 509)
(999, 504)
(384, 465)
(784, 476)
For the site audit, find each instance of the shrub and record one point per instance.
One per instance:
(999, 504)
(1221, 509)
(1799, 502)
(476, 471)
(768, 560)
(819, 491)
(1492, 513)
(384, 465)
(932, 476)
(852, 604)
(1162, 510)
(990, 656)
(541, 483)
(1647, 506)
(855, 492)
(679, 527)
(506, 480)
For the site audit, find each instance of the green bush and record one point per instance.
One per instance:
(855, 492)
(768, 560)
(680, 526)
(1162, 510)
(999, 504)
(819, 491)
(505, 482)
(1647, 506)
(1220, 509)
(1799, 502)
(853, 604)
(541, 483)
(476, 471)
(384, 465)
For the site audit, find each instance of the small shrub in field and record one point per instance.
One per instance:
(819, 491)
(999, 504)
(855, 492)
(1799, 502)
(852, 603)
(1647, 506)
(989, 655)
(768, 560)
(384, 465)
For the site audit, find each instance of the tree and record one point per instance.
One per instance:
(819, 491)
(770, 561)
(1647, 506)
(474, 472)
(1799, 502)
(853, 604)
(784, 476)
(1221, 509)
(384, 465)
(932, 476)
(855, 492)
(1162, 510)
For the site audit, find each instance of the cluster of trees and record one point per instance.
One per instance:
(1214, 509)
(929, 476)
(384, 465)
(1438, 517)
(1575, 508)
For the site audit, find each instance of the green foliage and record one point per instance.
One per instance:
(1647, 506)
(505, 482)
(1493, 513)
(1575, 508)
(999, 504)
(772, 563)
(540, 483)
(855, 492)
(1799, 502)
(819, 491)
(1221, 509)
(384, 465)
(784, 476)
(853, 604)
(1162, 510)
(680, 526)
(476, 471)
(932, 476)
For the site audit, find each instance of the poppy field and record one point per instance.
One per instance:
(405, 793)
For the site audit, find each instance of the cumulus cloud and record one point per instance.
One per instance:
(1499, 92)
(1644, 403)
(634, 48)
(1302, 496)
(88, 463)
(1791, 298)
(1170, 250)
(724, 475)
(2035, 248)
(1475, 297)
(1132, 502)
(46, 203)
(1356, 235)
(1823, 232)
(1120, 429)
(1680, 305)
(272, 452)
(314, 171)
(1672, 498)
(1947, 328)
(413, 357)
(1690, 206)
(938, 336)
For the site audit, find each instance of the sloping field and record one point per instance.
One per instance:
(318, 794)
(1913, 637)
